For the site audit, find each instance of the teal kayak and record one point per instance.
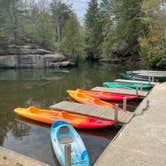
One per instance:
(63, 133)
(126, 85)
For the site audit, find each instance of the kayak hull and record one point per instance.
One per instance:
(126, 85)
(141, 77)
(85, 99)
(50, 116)
(108, 96)
(129, 77)
(62, 133)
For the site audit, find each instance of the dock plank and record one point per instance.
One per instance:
(120, 91)
(94, 111)
(136, 82)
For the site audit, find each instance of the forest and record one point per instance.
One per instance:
(112, 29)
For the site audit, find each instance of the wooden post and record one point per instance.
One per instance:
(116, 113)
(149, 79)
(141, 87)
(67, 154)
(124, 103)
(152, 78)
(136, 90)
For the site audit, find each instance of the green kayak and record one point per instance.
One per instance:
(126, 85)
(141, 77)
(131, 77)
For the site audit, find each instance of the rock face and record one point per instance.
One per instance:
(33, 58)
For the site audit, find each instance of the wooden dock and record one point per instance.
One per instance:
(143, 140)
(121, 91)
(11, 158)
(136, 82)
(93, 111)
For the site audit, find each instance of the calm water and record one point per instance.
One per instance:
(22, 88)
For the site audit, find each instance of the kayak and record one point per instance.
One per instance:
(107, 95)
(141, 77)
(131, 77)
(49, 116)
(85, 99)
(126, 85)
(62, 133)
(159, 76)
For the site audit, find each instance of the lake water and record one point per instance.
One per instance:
(41, 88)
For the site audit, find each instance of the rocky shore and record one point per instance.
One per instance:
(22, 57)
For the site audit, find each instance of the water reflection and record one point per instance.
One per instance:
(41, 88)
(90, 132)
(32, 74)
(96, 139)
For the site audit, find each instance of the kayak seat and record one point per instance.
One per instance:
(33, 109)
(63, 129)
(64, 135)
(65, 114)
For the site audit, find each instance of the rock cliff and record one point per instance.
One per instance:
(32, 58)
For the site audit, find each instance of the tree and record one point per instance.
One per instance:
(108, 30)
(72, 42)
(45, 31)
(12, 18)
(93, 35)
(60, 13)
(16, 21)
(30, 26)
(153, 45)
(4, 37)
(130, 27)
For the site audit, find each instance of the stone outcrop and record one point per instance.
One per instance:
(33, 58)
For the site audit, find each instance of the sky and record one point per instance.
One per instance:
(79, 7)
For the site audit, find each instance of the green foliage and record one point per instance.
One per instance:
(60, 13)
(31, 23)
(72, 43)
(153, 45)
(113, 28)
(109, 40)
(93, 34)
(4, 27)
(45, 31)
(122, 27)
(12, 17)
(4, 39)
(130, 26)
(107, 8)
(16, 21)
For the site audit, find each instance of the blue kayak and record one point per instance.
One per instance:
(63, 133)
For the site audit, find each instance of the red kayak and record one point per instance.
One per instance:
(107, 96)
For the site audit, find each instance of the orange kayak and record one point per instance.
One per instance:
(85, 99)
(107, 96)
(50, 116)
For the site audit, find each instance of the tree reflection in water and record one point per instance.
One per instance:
(17, 129)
